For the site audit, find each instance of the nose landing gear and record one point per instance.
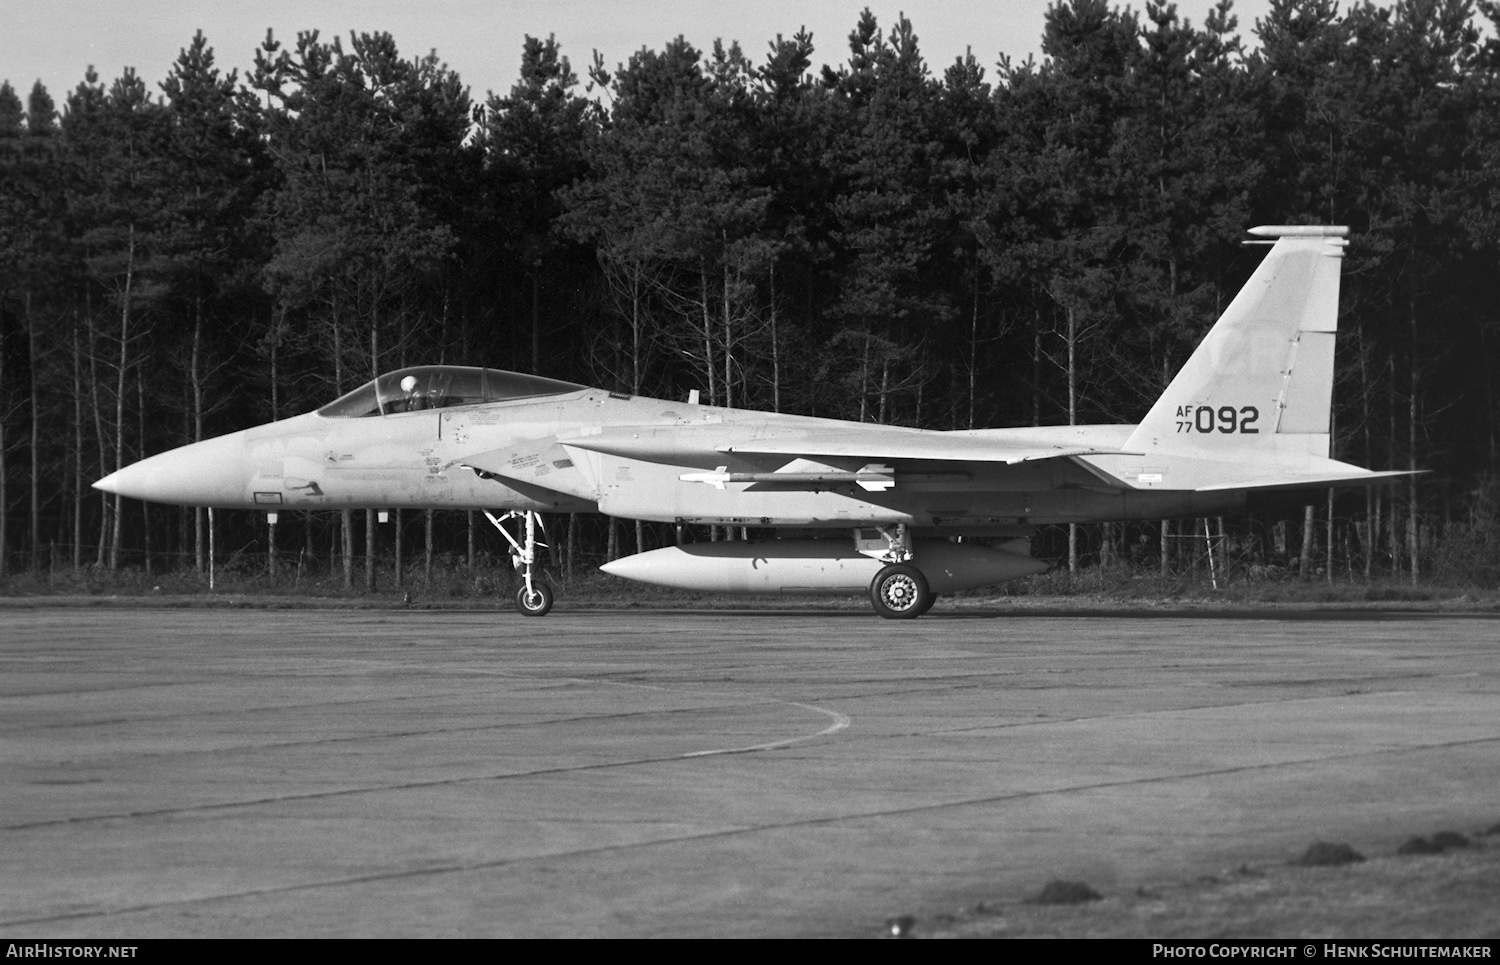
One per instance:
(534, 598)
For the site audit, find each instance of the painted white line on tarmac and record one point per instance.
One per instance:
(840, 721)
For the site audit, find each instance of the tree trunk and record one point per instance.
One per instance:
(346, 535)
(973, 368)
(140, 394)
(636, 332)
(1328, 542)
(1036, 369)
(1413, 547)
(572, 544)
(469, 557)
(1394, 536)
(427, 545)
(1072, 420)
(708, 339)
(372, 541)
(4, 487)
(1395, 533)
(195, 377)
(775, 348)
(399, 574)
(536, 323)
(101, 436)
(33, 361)
(1308, 532)
(212, 582)
(885, 390)
(116, 531)
(728, 319)
(78, 496)
(864, 381)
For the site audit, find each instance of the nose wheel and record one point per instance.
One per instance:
(534, 601)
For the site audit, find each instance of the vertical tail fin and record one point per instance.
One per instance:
(1260, 384)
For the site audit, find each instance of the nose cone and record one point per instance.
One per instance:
(210, 473)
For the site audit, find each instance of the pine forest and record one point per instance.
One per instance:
(949, 246)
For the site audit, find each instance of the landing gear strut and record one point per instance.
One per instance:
(534, 598)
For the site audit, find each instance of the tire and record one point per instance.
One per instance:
(899, 592)
(536, 603)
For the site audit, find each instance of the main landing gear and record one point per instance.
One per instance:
(899, 591)
(534, 598)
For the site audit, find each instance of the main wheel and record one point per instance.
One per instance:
(535, 602)
(899, 592)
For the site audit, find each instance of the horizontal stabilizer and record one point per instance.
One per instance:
(1352, 476)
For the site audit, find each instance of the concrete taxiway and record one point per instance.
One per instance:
(218, 772)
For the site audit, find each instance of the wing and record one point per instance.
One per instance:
(706, 446)
(776, 456)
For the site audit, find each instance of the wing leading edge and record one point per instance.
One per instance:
(706, 445)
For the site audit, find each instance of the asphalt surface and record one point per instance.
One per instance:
(172, 772)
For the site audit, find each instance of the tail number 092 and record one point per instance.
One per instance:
(1226, 419)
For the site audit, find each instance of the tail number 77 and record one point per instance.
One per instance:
(1226, 419)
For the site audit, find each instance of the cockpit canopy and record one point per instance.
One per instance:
(440, 387)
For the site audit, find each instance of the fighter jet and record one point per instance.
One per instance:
(910, 514)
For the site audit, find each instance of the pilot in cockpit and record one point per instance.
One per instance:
(412, 400)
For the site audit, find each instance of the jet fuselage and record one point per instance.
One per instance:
(517, 455)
